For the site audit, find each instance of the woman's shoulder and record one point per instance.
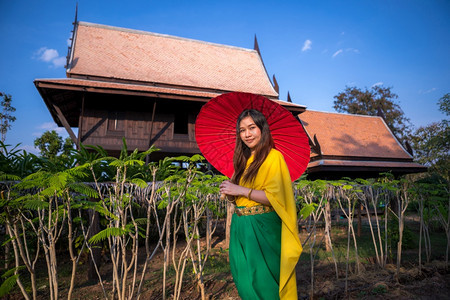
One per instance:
(275, 154)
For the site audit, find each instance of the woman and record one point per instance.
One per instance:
(264, 244)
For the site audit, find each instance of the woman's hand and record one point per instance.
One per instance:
(232, 189)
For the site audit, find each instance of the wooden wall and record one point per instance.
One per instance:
(106, 125)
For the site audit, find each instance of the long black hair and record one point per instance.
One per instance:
(242, 152)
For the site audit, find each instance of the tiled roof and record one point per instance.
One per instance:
(123, 54)
(96, 85)
(352, 136)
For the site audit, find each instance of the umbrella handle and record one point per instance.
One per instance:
(222, 196)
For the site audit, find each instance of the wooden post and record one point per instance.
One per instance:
(65, 123)
(151, 131)
(230, 212)
(80, 123)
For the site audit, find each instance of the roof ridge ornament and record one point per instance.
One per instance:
(72, 39)
(316, 146)
(256, 46)
(275, 84)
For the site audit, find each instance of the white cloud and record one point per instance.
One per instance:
(59, 62)
(49, 126)
(50, 56)
(377, 84)
(340, 51)
(352, 50)
(427, 91)
(307, 45)
(46, 54)
(337, 53)
(29, 149)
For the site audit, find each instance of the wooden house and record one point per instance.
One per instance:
(353, 146)
(148, 88)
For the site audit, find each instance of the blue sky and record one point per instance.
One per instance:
(315, 48)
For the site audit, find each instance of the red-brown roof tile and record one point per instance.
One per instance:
(352, 135)
(117, 53)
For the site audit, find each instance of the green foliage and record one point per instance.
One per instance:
(165, 168)
(307, 210)
(408, 241)
(379, 289)
(316, 190)
(10, 280)
(6, 117)
(132, 165)
(378, 100)
(51, 144)
(17, 162)
(217, 264)
(8, 285)
(95, 160)
(183, 177)
(35, 204)
(444, 104)
(431, 143)
(435, 199)
(107, 233)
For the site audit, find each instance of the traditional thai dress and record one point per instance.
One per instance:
(264, 242)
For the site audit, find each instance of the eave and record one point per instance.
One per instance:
(328, 166)
(68, 91)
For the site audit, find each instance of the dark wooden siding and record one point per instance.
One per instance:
(106, 125)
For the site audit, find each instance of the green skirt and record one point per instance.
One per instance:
(255, 247)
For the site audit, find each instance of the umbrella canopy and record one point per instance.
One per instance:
(215, 131)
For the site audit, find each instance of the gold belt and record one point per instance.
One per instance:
(253, 210)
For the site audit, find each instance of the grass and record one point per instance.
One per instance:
(217, 263)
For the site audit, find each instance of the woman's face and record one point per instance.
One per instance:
(250, 133)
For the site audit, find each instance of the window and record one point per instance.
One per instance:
(116, 121)
(180, 123)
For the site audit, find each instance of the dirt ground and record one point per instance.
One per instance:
(433, 282)
(373, 282)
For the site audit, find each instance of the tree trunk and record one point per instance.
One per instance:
(358, 211)
(7, 250)
(208, 229)
(327, 216)
(96, 248)
(421, 229)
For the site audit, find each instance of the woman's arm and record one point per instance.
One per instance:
(232, 189)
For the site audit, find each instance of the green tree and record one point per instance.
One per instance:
(444, 104)
(50, 144)
(378, 101)
(6, 117)
(432, 142)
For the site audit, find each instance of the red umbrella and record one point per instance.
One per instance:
(215, 131)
